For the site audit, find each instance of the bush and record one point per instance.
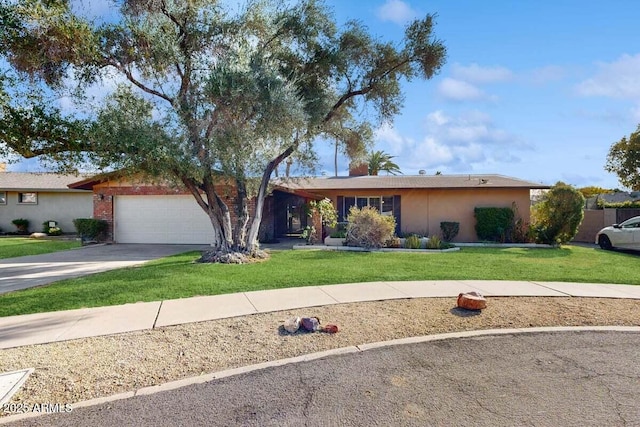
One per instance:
(324, 207)
(309, 234)
(449, 230)
(393, 242)
(434, 242)
(558, 216)
(368, 228)
(22, 225)
(339, 234)
(89, 228)
(51, 231)
(412, 242)
(493, 224)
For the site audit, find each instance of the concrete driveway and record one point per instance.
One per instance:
(37, 270)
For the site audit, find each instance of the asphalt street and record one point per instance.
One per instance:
(533, 379)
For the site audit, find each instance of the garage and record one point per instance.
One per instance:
(174, 219)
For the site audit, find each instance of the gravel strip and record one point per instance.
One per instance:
(77, 370)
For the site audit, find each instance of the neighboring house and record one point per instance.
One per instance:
(138, 212)
(616, 197)
(40, 197)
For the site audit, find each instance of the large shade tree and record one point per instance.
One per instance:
(206, 96)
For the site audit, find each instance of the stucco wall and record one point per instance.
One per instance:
(60, 207)
(422, 210)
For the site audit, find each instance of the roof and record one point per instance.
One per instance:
(40, 181)
(407, 182)
(308, 185)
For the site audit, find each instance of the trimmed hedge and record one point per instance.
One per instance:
(493, 224)
(89, 228)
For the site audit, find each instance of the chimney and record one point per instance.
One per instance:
(3, 167)
(359, 169)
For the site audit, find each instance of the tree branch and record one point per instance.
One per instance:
(139, 84)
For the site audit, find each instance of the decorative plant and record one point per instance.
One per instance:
(449, 230)
(55, 231)
(339, 234)
(21, 224)
(368, 228)
(327, 212)
(434, 242)
(412, 242)
(51, 230)
(393, 242)
(309, 234)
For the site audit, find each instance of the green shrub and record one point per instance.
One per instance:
(339, 234)
(493, 224)
(22, 225)
(89, 228)
(309, 234)
(412, 242)
(324, 207)
(368, 228)
(449, 230)
(51, 231)
(559, 214)
(629, 204)
(434, 242)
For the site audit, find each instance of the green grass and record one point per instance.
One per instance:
(178, 276)
(11, 247)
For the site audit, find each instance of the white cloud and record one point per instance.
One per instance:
(547, 74)
(438, 118)
(475, 73)
(396, 11)
(388, 136)
(455, 144)
(458, 90)
(618, 79)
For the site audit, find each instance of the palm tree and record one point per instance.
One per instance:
(381, 161)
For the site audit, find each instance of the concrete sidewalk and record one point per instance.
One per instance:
(66, 325)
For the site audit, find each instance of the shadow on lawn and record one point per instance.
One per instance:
(545, 253)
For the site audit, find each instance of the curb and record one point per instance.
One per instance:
(323, 354)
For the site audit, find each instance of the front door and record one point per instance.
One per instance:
(290, 214)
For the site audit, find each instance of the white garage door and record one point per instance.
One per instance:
(160, 219)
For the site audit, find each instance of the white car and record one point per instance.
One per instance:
(625, 235)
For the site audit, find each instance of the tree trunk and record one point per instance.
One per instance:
(335, 159)
(215, 210)
(242, 209)
(252, 238)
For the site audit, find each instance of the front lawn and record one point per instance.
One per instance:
(179, 277)
(11, 247)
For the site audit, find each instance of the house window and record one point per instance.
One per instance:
(28, 198)
(3, 197)
(387, 205)
(382, 204)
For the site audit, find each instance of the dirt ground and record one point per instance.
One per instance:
(77, 370)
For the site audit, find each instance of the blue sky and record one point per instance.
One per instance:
(537, 90)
